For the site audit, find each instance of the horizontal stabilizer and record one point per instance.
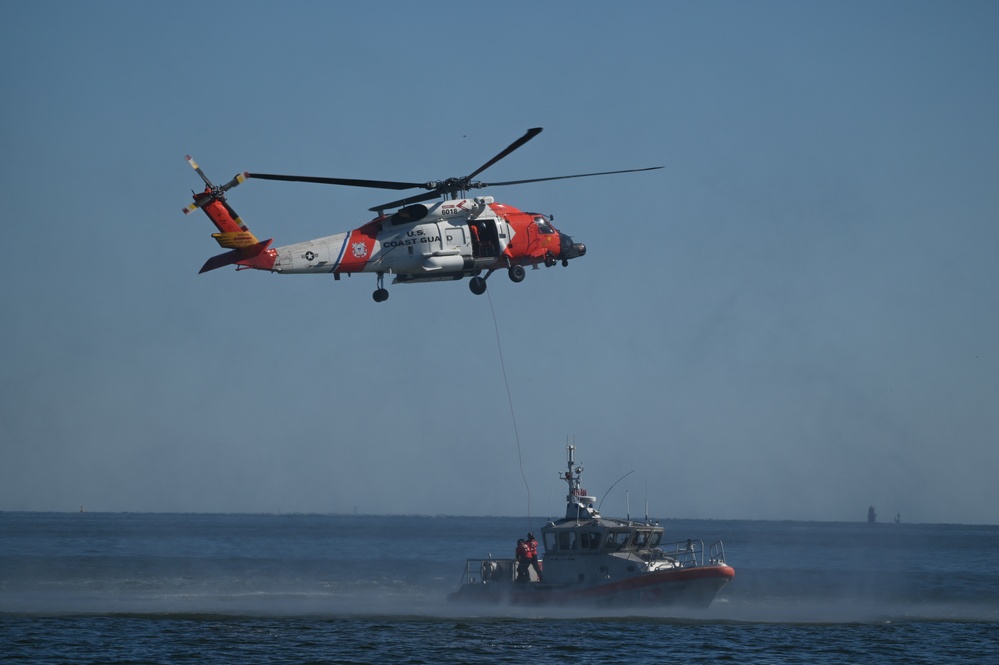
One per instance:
(235, 256)
(235, 239)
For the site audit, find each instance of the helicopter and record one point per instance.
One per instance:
(416, 241)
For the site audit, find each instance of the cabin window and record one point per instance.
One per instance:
(543, 225)
(642, 539)
(590, 540)
(409, 214)
(655, 538)
(550, 544)
(616, 539)
(567, 540)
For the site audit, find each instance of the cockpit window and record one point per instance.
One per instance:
(543, 225)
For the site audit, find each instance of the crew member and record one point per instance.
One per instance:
(522, 560)
(532, 554)
(473, 228)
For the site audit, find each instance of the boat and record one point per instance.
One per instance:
(604, 561)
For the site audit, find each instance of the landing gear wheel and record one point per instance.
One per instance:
(477, 285)
(550, 260)
(517, 274)
(565, 263)
(380, 295)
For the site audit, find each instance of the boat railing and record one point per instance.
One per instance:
(484, 571)
(716, 553)
(686, 553)
(690, 553)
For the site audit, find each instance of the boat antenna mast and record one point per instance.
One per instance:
(579, 502)
(572, 475)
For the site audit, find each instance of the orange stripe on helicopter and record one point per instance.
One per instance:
(357, 250)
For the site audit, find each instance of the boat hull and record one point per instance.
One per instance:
(683, 587)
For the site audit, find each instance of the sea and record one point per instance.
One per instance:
(235, 588)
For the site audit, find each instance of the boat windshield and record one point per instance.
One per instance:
(616, 539)
(642, 539)
(590, 540)
(570, 539)
(646, 539)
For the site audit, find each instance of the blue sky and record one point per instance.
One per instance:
(794, 319)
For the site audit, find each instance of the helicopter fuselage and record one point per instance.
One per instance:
(447, 240)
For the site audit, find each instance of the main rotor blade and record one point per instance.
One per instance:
(406, 201)
(531, 133)
(478, 185)
(564, 177)
(351, 182)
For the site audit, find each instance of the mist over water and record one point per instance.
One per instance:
(117, 588)
(324, 565)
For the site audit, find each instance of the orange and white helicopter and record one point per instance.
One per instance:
(451, 239)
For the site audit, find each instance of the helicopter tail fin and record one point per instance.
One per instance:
(246, 250)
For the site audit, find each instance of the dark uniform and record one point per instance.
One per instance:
(523, 560)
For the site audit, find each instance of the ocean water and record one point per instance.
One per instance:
(157, 588)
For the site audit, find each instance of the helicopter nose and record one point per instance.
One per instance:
(570, 249)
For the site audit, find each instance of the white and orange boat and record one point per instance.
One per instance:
(590, 559)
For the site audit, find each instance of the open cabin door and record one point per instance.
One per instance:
(489, 236)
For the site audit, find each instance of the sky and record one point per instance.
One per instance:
(795, 319)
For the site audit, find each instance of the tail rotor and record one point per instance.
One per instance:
(212, 191)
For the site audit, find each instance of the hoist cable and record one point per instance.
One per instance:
(513, 415)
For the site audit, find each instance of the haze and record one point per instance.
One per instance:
(795, 319)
